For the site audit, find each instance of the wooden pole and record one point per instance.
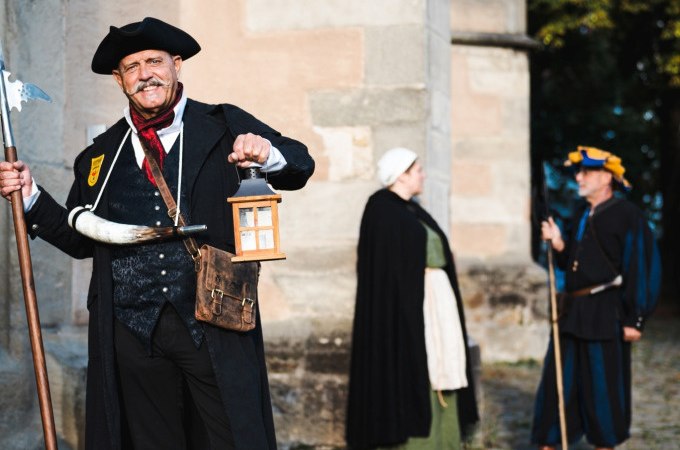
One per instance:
(32, 316)
(557, 351)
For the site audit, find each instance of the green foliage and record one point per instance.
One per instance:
(558, 19)
(603, 79)
(564, 16)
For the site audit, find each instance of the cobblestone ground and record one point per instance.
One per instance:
(509, 389)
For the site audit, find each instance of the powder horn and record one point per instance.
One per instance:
(89, 224)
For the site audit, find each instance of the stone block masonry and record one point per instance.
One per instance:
(349, 78)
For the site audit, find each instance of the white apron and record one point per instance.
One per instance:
(443, 334)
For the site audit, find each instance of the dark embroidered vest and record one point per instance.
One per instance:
(147, 277)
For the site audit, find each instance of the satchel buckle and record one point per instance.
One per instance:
(247, 311)
(217, 302)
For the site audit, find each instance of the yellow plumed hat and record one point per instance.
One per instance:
(595, 158)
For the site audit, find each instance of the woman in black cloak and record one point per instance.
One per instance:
(410, 380)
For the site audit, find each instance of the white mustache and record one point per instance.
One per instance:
(101, 230)
(148, 83)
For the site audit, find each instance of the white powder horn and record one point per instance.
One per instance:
(88, 224)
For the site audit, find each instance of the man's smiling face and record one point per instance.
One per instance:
(149, 80)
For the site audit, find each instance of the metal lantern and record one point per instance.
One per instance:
(256, 219)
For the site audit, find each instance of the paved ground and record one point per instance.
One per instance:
(509, 393)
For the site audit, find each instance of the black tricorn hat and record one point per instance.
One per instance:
(149, 34)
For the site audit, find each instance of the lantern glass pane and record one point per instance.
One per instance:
(248, 241)
(266, 239)
(246, 217)
(264, 216)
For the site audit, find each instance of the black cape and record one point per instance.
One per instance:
(389, 389)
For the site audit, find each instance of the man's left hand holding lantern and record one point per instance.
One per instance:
(248, 149)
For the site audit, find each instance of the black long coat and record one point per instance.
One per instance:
(389, 390)
(615, 239)
(238, 358)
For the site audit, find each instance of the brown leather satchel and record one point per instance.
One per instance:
(226, 292)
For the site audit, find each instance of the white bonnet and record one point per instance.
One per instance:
(393, 163)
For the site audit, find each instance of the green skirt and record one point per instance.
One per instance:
(444, 431)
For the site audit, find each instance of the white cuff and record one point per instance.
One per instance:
(275, 160)
(32, 198)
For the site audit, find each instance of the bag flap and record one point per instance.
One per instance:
(236, 280)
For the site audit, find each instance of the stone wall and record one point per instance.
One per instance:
(504, 291)
(349, 78)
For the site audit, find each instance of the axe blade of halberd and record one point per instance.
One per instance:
(17, 91)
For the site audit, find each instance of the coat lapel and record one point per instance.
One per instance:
(202, 131)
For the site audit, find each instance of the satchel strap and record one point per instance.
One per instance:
(189, 242)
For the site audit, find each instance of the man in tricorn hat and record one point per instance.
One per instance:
(612, 278)
(157, 378)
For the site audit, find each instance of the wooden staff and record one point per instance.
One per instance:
(557, 351)
(32, 316)
(24, 92)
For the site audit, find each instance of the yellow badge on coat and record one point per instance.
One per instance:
(94, 170)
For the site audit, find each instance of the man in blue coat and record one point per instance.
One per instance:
(157, 378)
(612, 278)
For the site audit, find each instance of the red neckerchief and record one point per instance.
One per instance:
(147, 131)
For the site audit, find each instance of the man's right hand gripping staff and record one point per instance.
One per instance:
(14, 176)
